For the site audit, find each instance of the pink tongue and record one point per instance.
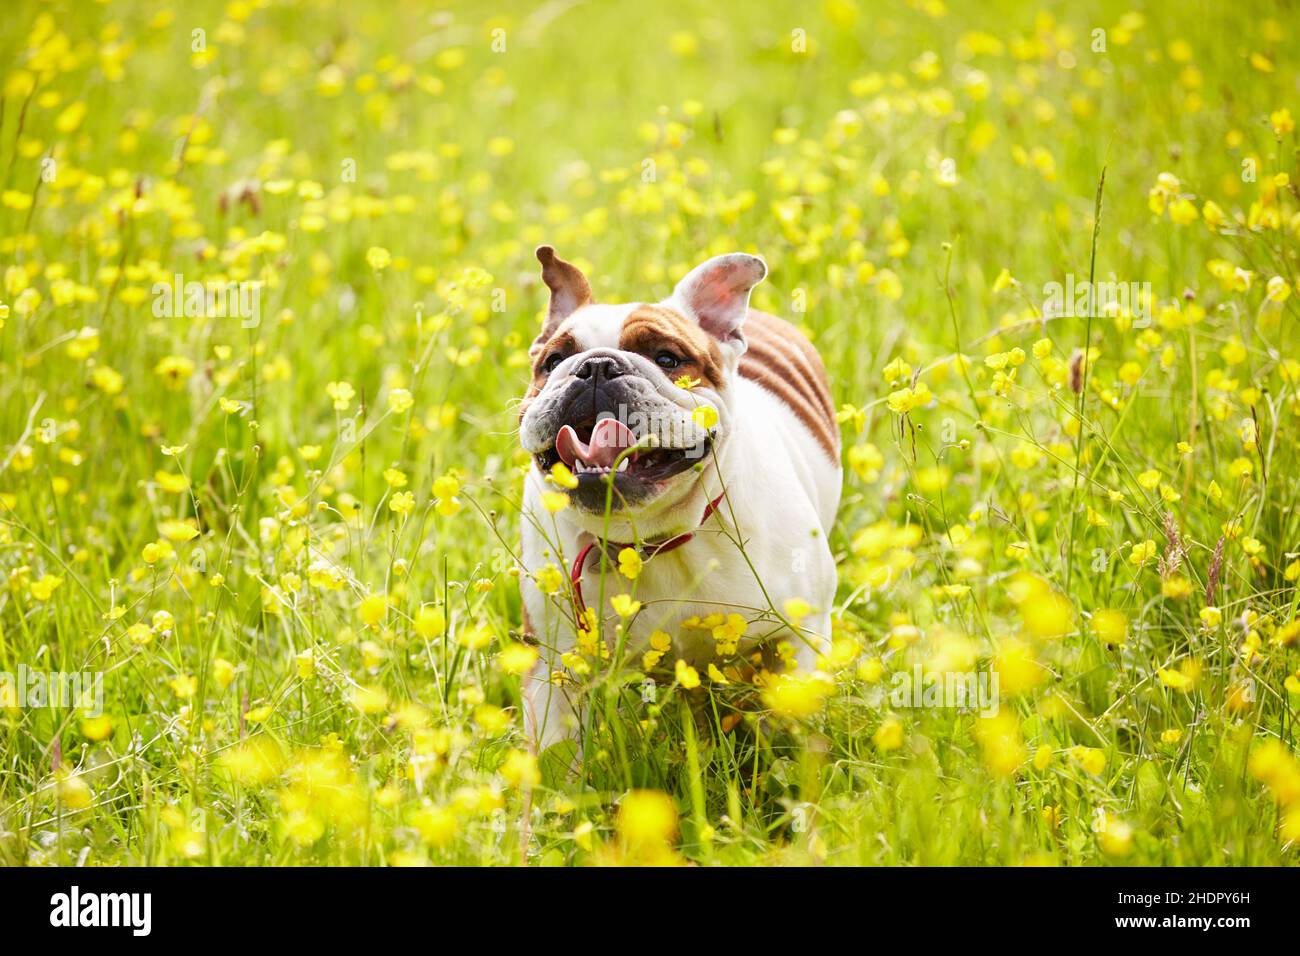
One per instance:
(608, 439)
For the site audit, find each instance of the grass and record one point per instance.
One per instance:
(302, 664)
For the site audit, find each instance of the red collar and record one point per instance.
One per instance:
(647, 551)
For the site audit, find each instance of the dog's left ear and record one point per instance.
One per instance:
(570, 290)
(716, 294)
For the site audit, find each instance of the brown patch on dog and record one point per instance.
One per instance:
(783, 361)
(650, 329)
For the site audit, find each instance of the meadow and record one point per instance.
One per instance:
(267, 287)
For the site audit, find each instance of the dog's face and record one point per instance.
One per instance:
(609, 378)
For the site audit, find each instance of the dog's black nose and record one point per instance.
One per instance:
(599, 368)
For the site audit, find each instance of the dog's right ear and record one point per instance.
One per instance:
(570, 290)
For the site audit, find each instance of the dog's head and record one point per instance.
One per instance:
(654, 378)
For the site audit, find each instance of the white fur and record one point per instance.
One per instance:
(599, 326)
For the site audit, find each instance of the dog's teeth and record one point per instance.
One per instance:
(622, 465)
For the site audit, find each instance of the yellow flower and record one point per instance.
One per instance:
(866, 462)
(178, 531)
(549, 579)
(554, 501)
(373, 609)
(1212, 214)
(445, 490)
(399, 401)
(853, 415)
(171, 483)
(687, 676)
(436, 825)
(1018, 668)
(183, 686)
(897, 370)
(1000, 743)
(402, 503)
(1177, 680)
(705, 416)
(797, 696)
(624, 605)
(647, 818)
(904, 400)
(254, 761)
(1182, 211)
(223, 672)
(378, 258)
(1287, 634)
(341, 394)
(516, 658)
(46, 586)
(629, 563)
(1047, 615)
(369, 700)
(871, 669)
(156, 551)
(1142, 553)
(520, 770)
(175, 370)
(491, 719)
(563, 477)
(430, 621)
(1110, 625)
(889, 735)
(1090, 759)
(96, 728)
(474, 637)
(106, 379)
(1114, 836)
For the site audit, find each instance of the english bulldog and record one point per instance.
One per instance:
(701, 434)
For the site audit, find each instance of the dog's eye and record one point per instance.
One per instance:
(667, 360)
(552, 362)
